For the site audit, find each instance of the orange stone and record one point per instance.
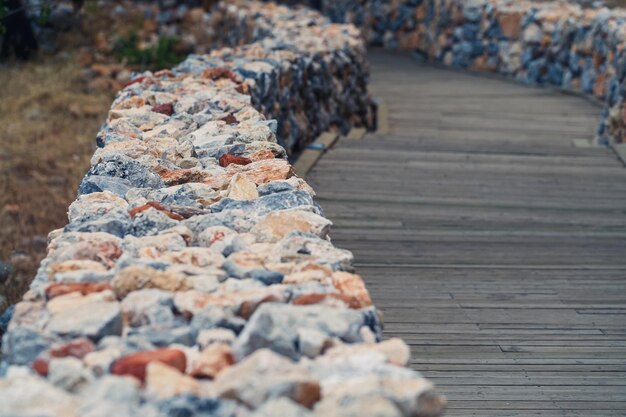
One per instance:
(262, 154)
(511, 24)
(56, 290)
(213, 360)
(182, 176)
(318, 298)
(217, 73)
(599, 86)
(264, 171)
(228, 159)
(352, 285)
(135, 364)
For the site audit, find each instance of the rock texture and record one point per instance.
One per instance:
(556, 43)
(196, 275)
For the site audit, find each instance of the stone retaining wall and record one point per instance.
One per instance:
(196, 276)
(552, 43)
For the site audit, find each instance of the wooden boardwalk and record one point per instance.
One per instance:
(494, 247)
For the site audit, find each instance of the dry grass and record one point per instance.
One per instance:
(48, 124)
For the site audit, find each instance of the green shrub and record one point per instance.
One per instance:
(162, 55)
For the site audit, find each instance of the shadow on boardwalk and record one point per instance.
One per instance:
(493, 245)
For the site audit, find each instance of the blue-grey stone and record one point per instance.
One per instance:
(213, 317)
(193, 406)
(94, 320)
(163, 336)
(117, 226)
(5, 318)
(276, 326)
(121, 166)
(274, 187)
(5, 272)
(150, 222)
(266, 277)
(21, 345)
(99, 183)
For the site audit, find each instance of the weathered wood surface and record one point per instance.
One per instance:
(493, 245)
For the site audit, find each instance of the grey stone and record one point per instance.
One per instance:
(149, 306)
(69, 374)
(161, 336)
(274, 187)
(267, 203)
(23, 394)
(150, 222)
(117, 226)
(264, 376)
(298, 246)
(282, 407)
(5, 272)
(98, 183)
(207, 337)
(94, 320)
(121, 166)
(190, 405)
(275, 326)
(21, 345)
(266, 277)
(82, 276)
(214, 317)
(111, 396)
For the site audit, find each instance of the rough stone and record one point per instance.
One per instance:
(276, 225)
(275, 326)
(148, 307)
(94, 320)
(69, 374)
(138, 277)
(22, 394)
(241, 188)
(213, 360)
(263, 376)
(135, 364)
(164, 381)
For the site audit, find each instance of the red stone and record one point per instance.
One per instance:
(217, 73)
(40, 365)
(228, 159)
(56, 290)
(77, 348)
(317, 298)
(135, 364)
(135, 80)
(158, 206)
(167, 109)
(230, 119)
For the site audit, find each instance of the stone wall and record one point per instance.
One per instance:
(196, 275)
(553, 43)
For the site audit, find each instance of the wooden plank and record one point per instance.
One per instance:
(306, 161)
(382, 119)
(620, 150)
(356, 133)
(488, 241)
(327, 140)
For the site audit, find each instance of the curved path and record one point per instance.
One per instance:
(492, 244)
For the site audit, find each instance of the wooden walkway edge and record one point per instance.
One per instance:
(494, 246)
